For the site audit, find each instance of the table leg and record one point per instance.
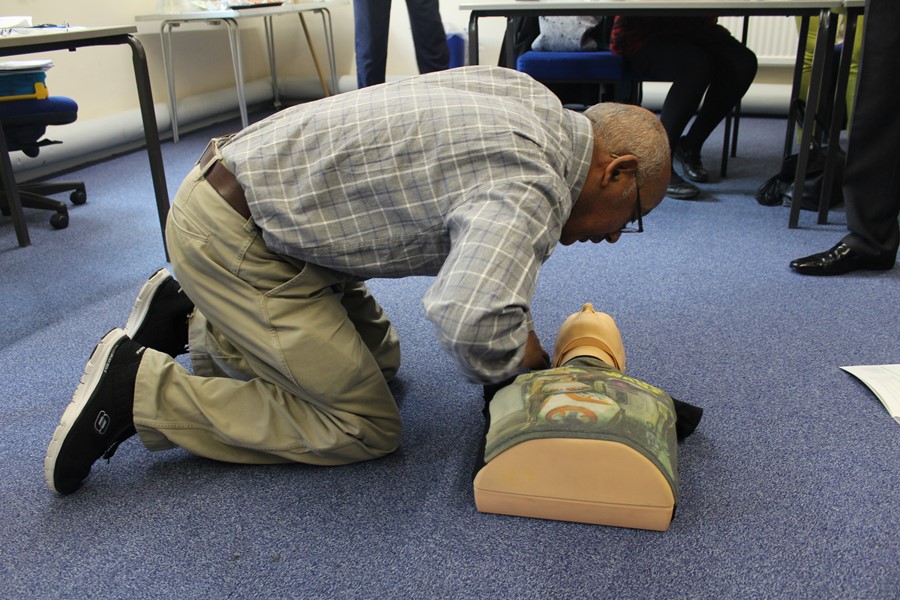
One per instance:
(824, 47)
(726, 142)
(329, 42)
(473, 39)
(312, 52)
(270, 46)
(795, 85)
(151, 134)
(509, 41)
(165, 35)
(838, 109)
(13, 203)
(234, 40)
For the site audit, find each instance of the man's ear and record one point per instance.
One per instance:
(626, 164)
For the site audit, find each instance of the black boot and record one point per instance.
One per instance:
(691, 165)
(680, 189)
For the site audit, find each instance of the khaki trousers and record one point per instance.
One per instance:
(290, 360)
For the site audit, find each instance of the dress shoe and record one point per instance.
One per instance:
(839, 260)
(691, 165)
(680, 189)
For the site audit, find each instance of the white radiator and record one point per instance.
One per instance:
(773, 39)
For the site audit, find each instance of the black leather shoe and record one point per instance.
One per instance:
(680, 189)
(839, 260)
(691, 165)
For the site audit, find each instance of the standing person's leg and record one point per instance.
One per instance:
(872, 174)
(429, 37)
(371, 20)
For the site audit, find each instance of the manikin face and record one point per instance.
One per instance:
(608, 201)
(589, 333)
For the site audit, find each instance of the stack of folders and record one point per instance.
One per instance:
(24, 79)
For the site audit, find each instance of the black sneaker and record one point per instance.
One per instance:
(100, 417)
(159, 319)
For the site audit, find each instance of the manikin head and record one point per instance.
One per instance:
(589, 333)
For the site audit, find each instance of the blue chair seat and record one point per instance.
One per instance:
(572, 66)
(24, 123)
(600, 67)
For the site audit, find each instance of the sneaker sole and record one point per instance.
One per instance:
(93, 372)
(143, 301)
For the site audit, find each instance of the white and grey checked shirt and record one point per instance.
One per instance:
(466, 174)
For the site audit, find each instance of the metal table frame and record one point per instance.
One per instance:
(230, 18)
(855, 9)
(71, 40)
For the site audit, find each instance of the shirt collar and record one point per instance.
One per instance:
(582, 150)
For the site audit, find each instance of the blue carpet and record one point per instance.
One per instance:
(789, 486)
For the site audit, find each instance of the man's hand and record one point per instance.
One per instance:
(535, 356)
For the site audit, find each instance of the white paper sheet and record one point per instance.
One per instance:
(884, 381)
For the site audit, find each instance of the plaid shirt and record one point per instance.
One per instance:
(466, 174)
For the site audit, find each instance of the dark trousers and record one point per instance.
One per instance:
(372, 20)
(872, 174)
(714, 64)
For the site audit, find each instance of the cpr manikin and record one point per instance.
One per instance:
(582, 441)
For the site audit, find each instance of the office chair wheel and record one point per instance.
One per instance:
(78, 197)
(59, 221)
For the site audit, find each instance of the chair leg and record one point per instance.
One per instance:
(60, 218)
(77, 197)
(726, 144)
(34, 195)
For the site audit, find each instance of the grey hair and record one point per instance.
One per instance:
(626, 129)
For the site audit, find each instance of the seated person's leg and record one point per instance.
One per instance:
(734, 68)
(690, 70)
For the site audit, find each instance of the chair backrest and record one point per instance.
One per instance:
(25, 121)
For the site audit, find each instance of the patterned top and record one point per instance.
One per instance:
(467, 174)
(586, 399)
(630, 34)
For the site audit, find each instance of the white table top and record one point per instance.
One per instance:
(52, 36)
(267, 11)
(724, 6)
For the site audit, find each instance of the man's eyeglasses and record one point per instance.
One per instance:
(630, 228)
